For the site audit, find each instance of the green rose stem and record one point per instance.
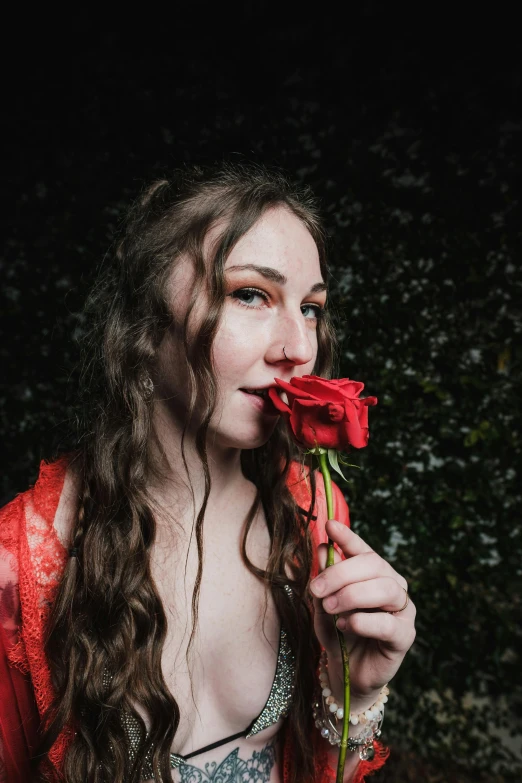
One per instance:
(325, 470)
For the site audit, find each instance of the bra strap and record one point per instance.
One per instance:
(213, 745)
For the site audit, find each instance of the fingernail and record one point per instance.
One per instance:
(330, 603)
(341, 623)
(317, 586)
(336, 524)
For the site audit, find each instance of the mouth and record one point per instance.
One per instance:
(259, 392)
(259, 399)
(262, 395)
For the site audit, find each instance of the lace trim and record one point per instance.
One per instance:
(27, 533)
(9, 582)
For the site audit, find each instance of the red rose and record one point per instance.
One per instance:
(324, 413)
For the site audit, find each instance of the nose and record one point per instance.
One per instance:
(297, 339)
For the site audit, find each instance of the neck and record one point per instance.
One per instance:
(181, 490)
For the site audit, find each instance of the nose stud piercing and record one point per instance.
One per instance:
(284, 354)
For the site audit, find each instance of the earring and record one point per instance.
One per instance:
(147, 386)
(284, 354)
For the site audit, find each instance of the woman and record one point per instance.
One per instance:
(163, 567)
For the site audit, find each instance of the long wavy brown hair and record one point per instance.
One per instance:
(107, 615)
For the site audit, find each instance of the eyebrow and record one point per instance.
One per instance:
(275, 276)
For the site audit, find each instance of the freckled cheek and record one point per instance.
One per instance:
(234, 352)
(243, 329)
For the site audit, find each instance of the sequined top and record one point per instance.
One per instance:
(276, 707)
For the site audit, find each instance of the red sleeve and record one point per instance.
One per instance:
(318, 527)
(342, 512)
(18, 720)
(299, 486)
(19, 717)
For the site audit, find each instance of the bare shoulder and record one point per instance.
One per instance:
(67, 506)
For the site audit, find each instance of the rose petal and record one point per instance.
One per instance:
(336, 412)
(277, 402)
(291, 388)
(311, 425)
(318, 388)
(356, 424)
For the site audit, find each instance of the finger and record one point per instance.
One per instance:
(398, 637)
(348, 541)
(383, 593)
(322, 554)
(359, 568)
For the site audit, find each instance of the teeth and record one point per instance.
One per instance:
(259, 392)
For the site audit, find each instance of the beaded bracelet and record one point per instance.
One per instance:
(325, 709)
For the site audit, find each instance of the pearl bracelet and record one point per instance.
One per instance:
(371, 718)
(363, 717)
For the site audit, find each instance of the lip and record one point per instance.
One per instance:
(263, 405)
(259, 388)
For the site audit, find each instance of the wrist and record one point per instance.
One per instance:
(366, 713)
(359, 702)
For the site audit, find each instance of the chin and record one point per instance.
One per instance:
(246, 439)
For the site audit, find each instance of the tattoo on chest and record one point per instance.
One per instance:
(233, 769)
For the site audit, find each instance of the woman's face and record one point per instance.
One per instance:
(274, 297)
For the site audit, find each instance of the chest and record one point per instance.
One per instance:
(222, 683)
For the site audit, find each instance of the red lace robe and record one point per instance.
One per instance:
(32, 559)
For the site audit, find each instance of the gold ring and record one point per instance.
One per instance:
(405, 604)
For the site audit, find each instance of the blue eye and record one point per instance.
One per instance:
(245, 296)
(317, 311)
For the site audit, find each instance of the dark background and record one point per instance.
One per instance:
(409, 130)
